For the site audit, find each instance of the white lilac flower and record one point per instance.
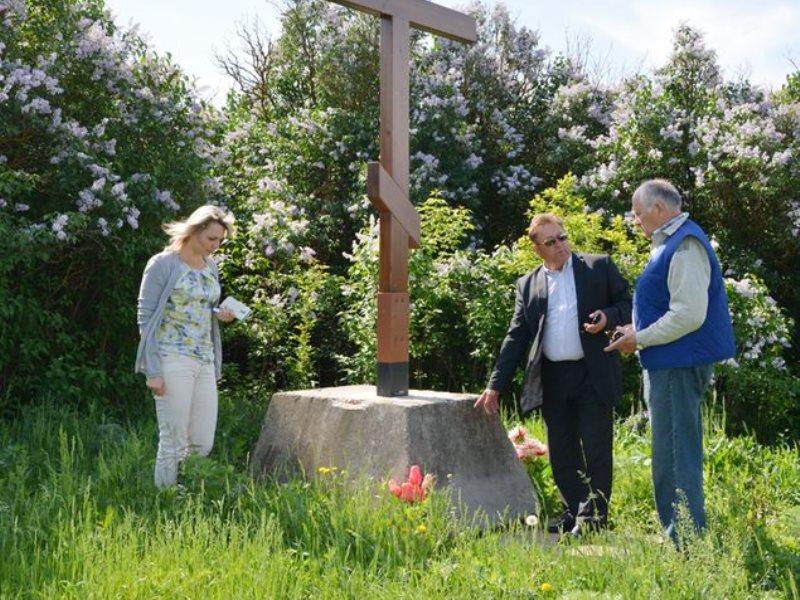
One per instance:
(671, 132)
(782, 158)
(75, 129)
(85, 200)
(137, 177)
(268, 184)
(165, 198)
(743, 288)
(38, 106)
(655, 154)
(60, 222)
(97, 170)
(306, 254)
(576, 133)
(131, 216)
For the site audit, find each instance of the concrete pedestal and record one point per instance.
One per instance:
(354, 429)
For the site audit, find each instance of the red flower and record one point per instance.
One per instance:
(415, 488)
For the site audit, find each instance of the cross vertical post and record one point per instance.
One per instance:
(393, 299)
(387, 180)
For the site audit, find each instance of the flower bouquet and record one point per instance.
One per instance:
(524, 445)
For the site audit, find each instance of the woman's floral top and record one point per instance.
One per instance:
(186, 326)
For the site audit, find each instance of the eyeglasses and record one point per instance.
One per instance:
(562, 237)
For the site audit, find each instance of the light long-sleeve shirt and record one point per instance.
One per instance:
(562, 340)
(688, 280)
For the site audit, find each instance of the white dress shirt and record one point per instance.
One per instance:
(562, 340)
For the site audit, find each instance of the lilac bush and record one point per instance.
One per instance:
(100, 141)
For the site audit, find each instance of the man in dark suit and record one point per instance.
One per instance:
(562, 309)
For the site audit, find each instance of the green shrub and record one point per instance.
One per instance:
(100, 141)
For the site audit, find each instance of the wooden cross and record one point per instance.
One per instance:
(387, 180)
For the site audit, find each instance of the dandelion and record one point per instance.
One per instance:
(546, 588)
(422, 528)
(532, 521)
(327, 470)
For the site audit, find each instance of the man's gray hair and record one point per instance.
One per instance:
(658, 189)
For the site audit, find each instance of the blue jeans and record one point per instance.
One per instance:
(673, 398)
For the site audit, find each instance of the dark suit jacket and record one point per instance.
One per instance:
(599, 286)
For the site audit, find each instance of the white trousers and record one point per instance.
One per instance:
(187, 414)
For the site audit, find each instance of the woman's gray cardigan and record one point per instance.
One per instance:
(159, 279)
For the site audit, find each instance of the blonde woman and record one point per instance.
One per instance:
(180, 351)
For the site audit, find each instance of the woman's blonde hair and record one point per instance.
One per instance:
(179, 232)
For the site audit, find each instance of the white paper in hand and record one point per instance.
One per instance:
(239, 310)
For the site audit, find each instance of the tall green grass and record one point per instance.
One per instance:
(80, 518)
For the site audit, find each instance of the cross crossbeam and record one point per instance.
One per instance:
(423, 15)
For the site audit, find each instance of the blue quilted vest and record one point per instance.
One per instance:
(713, 341)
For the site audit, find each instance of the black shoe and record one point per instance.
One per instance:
(564, 523)
(584, 525)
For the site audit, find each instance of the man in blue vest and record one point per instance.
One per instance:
(681, 327)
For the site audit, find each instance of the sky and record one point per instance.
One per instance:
(759, 39)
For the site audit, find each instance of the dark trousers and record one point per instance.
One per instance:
(579, 437)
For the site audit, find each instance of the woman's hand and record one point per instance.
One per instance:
(157, 385)
(225, 315)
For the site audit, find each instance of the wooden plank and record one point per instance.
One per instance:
(393, 243)
(393, 314)
(423, 15)
(386, 195)
(394, 99)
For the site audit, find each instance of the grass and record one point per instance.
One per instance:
(79, 518)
